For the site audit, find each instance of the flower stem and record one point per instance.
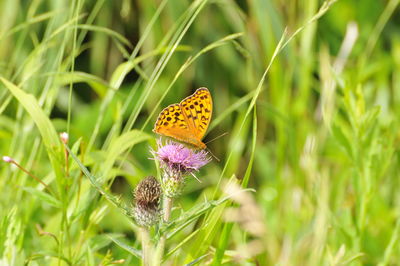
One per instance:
(10, 160)
(167, 206)
(146, 246)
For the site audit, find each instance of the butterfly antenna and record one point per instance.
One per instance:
(217, 137)
(212, 154)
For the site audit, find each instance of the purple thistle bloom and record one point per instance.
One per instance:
(177, 161)
(180, 158)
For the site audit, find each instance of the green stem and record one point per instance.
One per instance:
(167, 206)
(146, 246)
(390, 249)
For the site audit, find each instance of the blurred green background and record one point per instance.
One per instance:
(318, 139)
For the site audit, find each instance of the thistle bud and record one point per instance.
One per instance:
(147, 200)
(8, 159)
(64, 137)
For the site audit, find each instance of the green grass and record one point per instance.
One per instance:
(308, 93)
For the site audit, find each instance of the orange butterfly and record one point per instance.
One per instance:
(187, 121)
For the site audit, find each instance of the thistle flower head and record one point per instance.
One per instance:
(177, 161)
(177, 157)
(147, 199)
(148, 192)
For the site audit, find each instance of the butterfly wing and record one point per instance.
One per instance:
(187, 121)
(172, 123)
(197, 110)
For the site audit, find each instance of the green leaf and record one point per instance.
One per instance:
(47, 131)
(196, 260)
(124, 68)
(113, 199)
(32, 107)
(118, 146)
(107, 31)
(191, 215)
(342, 139)
(133, 251)
(99, 85)
(43, 196)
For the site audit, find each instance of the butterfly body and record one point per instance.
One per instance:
(187, 121)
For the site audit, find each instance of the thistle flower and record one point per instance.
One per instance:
(147, 199)
(177, 161)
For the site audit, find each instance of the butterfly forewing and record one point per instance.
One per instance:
(197, 109)
(171, 117)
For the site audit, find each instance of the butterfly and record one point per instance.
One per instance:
(188, 120)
